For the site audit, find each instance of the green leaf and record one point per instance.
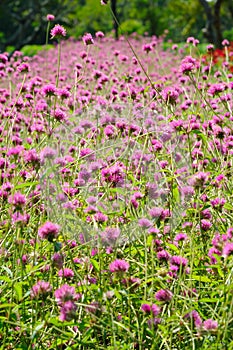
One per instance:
(201, 278)
(228, 206)
(8, 271)
(209, 300)
(37, 329)
(95, 264)
(26, 184)
(5, 279)
(173, 247)
(18, 289)
(6, 305)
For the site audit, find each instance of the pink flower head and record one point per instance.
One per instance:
(3, 58)
(225, 42)
(40, 290)
(88, 39)
(154, 309)
(99, 34)
(104, 2)
(66, 293)
(49, 90)
(227, 249)
(58, 260)
(23, 67)
(144, 223)
(205, 225)
(210, 47)
(195, 317)
(68, 311)
(119, 266)
(49, 231)
(189, 64)
(50, 17)
(163, 295)
(58, 31)
(178, 261)
(66, 273)
(110, 235)
(18, 199)
(210, 325)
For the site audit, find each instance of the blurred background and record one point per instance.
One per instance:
(23, 22)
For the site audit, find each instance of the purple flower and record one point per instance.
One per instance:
(153, 322)
(189, 64)
(210, 47)
(170, 95)
(49, 231)
(218, 202)
(156, 213)
(163, 295)
(40, 290)
(199, 179)
(66, 293)
(50, 17)
(216, 88)
(58, 31)
(154, 309)
(227, 249)
(146, 308)
(47, 153)
(99, 34)
(144, 223)
(119, 266)
(58, 260)
(88, 39)
(225, 42)
(100, 217)
(147, 48)
(163, 255)
(213, 251)
(17, 217)
(195, 317)
(23, 68)
(49, 90)
(205, 225)
(179, 261)
(180, 237)
(18, 199)
(210, 325)
(66, 273)
(60, 115)
(110, 235)
(68, 311)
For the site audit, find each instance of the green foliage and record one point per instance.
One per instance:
(228, 34)
(131, 26)
(31, 50)
(89, 17)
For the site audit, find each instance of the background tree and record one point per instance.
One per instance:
(22, 22)
(212, 31)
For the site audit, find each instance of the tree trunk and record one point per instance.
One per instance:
(115, 19)
(217, 23)
(212, 31)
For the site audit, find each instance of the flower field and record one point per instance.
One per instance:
(116, 192)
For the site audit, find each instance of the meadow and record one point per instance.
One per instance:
(116, 191)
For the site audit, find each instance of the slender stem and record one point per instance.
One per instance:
(58, 63)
